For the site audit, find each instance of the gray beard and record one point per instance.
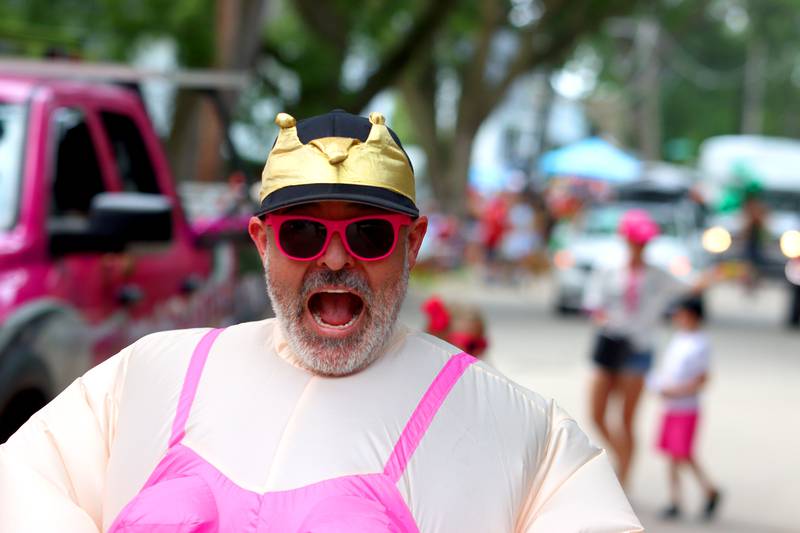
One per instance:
(338, 356)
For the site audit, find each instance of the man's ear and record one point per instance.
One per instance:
(258, 233)
(415, 235)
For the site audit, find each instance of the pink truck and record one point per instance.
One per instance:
(95, 248)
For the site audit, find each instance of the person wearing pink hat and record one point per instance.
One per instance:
(626, 304)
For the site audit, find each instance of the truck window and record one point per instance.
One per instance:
(78, 177)
(12, 126)
(133, 160)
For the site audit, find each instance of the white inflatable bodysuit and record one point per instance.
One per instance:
(494, 456)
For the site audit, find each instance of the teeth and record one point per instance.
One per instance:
(318, 320)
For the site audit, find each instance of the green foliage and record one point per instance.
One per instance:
(312, 42)
(703, 58)
(107, 29)
(402, 125)
(31, 27)
(189, 22)
(683, 104)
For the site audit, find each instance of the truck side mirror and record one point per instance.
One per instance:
(116, 220)
(132, 217)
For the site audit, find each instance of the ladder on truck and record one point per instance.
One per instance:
(199, 79)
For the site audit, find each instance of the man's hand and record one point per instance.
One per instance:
(710, 276)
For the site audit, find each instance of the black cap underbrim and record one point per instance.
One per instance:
(320, 192)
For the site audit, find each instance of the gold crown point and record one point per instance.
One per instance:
(377, 118)
(335, 159)
(285, 120)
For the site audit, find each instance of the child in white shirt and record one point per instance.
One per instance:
(679, 381)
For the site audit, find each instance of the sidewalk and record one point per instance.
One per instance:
(690, 524)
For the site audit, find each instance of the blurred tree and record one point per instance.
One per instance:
(342, 53)
(107, 29)
(485, 47)
(453, 63)
(717, 67)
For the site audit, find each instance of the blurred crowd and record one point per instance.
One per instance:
(504, 235)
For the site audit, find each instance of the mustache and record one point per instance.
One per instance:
(344, 278)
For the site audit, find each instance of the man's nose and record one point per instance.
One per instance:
(336, 256)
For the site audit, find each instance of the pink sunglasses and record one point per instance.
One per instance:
(367, 238)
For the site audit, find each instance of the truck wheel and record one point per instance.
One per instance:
(25, 386)
(793, 318)
(19, 409)
(562, 307)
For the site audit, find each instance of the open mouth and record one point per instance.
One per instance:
(335, 308)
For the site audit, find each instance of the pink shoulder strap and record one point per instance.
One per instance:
(190, 382)
(423, 415)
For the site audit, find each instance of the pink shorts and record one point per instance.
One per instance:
(677, 433)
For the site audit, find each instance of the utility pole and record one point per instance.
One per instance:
(755, 81)
(543, 106)
(648, 87)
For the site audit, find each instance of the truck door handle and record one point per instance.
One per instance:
(191, 284)
(129, 295)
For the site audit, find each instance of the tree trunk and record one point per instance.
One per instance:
(447, 158)
(195, 143)
(456, 177)
(418, 90)
(209, 165)
(182, 142)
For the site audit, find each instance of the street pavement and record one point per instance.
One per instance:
(749, 437)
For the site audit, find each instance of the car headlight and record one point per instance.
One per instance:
(790, 243)
(716, 240)
(563, 260)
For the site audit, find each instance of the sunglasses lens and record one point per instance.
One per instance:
(370, 238)
(302, 238)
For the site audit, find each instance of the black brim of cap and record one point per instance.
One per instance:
(320, 192)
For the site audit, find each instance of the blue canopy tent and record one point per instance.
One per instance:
(591, 158)
(488, 179)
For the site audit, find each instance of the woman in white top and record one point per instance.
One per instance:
(626, 303)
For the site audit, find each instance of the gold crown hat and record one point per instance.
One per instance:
(344, 157)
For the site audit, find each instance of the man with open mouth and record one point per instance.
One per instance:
(331, 417)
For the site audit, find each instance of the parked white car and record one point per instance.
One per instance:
(592, 242)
